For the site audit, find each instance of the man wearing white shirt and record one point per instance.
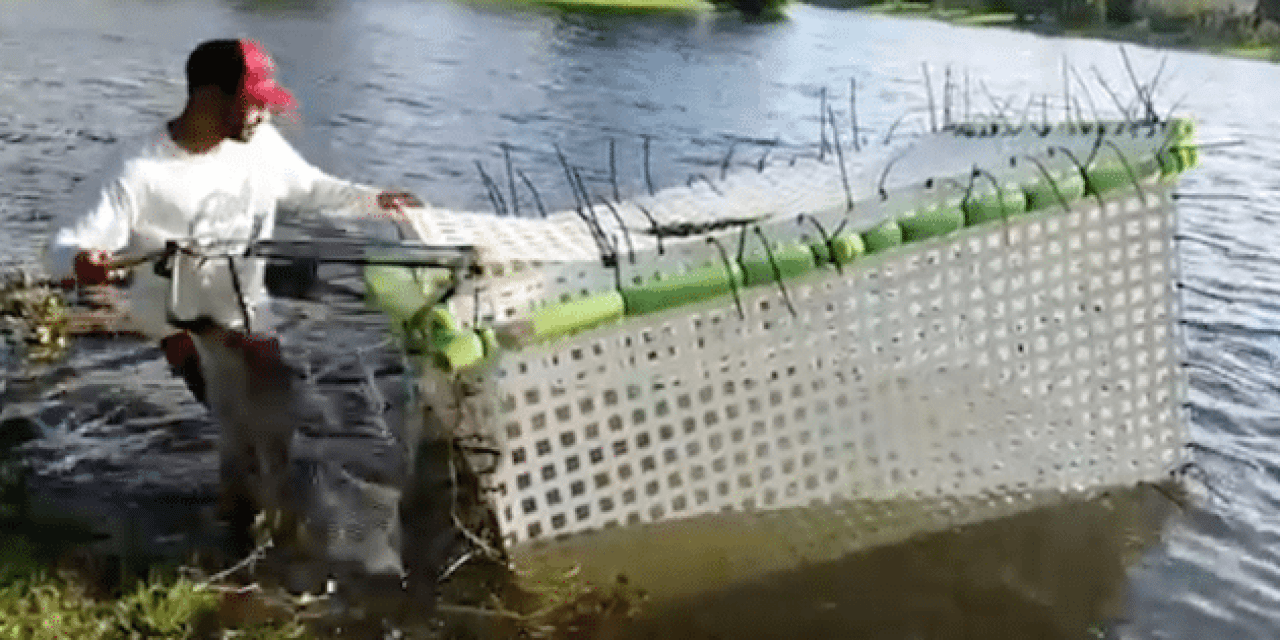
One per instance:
(216, 172)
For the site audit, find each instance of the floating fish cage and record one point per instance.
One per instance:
(792, 363)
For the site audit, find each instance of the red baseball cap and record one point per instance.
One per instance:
(238, 67)
(259, 77)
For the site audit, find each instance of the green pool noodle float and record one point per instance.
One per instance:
(887, 234)
(681, 288)
(848, 247)
(790, 260)
(395, 291)
(564, 318)
(460, 351)
(930, 221)
(986, 204)
(1040, 192)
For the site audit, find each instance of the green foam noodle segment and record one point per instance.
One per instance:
(396, 291)
(887, 234)
(987, 203)
(1181, 130)
(1104, 176)
(847, 248)
(790, 261)
(930, 221)
(681, 288)
(564, 318)
(1041, 195)
(459, 351)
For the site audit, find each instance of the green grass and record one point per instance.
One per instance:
(39, 601)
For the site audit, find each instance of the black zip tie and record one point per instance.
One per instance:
(613, 171)
(1004, 209)
(1083, 173)
(657, 231)
(499, 207)
(1133, 177)
(511, 179)
(1052, 183)
(853, 112)
(888, 137)
(239, 291)
(742, 243)
(705, 179)
(608, 252)
(884, 175)
(777, 272)
(475, 307)
(822, 125)
(928, 88)
(648, 180)
(568, 175)
(826, 239)
(537, 200)
(844, 176)
(728, 267)
(631, 249)
(724, 164)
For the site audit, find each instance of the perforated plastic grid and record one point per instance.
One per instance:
(1002, 361)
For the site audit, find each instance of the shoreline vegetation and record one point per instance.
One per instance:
(1222, 31)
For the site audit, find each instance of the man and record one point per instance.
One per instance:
(216, 172)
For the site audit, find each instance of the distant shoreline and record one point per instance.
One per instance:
(1265, 46)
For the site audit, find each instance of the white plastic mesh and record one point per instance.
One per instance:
(993, 364)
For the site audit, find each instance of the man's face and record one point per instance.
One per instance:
(243, 116)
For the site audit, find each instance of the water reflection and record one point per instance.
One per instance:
(1056, 572)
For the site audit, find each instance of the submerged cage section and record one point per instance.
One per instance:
(983, 322)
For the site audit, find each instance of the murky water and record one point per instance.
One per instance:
(413, 94)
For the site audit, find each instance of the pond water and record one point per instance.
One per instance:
(413, 94)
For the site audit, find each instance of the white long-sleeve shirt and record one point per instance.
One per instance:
(156, 191)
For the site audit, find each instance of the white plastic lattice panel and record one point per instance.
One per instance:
(1035, 356)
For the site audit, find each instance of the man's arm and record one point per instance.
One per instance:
(307, 188)
(83, 250)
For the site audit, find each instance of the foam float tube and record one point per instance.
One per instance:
(930, 221)
(396, 291)
(987, 204)
(459, 351)
(887, 234)
(681, 288)
(564, 318)
(791, 260)
(1040, 192)
(848, 247)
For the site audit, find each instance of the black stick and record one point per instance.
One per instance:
(648, 180)
(537, 200)
(928, 86)
(853, 112)
(844, 178)
(511, 178)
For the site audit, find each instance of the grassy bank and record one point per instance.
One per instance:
(1212, 33)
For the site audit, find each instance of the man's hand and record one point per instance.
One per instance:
(393, 202)
(93, 267)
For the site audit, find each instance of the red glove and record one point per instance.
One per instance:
(93, 267)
